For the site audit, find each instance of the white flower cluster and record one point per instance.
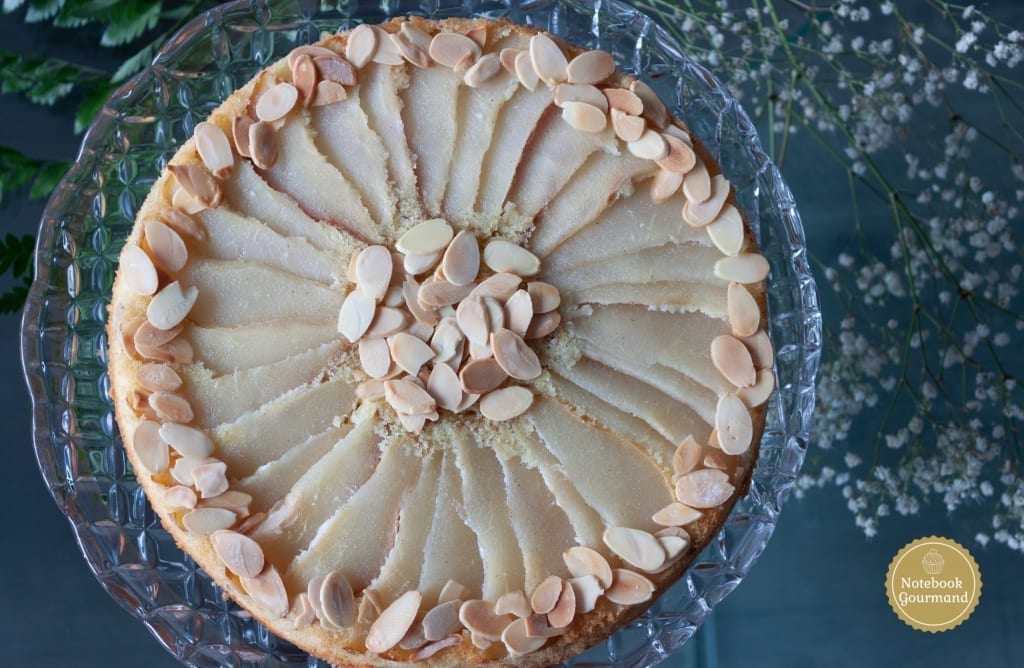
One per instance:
(917, 399)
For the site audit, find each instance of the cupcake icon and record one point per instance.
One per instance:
(932, 562)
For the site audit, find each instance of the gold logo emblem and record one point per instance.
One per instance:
(933, 584)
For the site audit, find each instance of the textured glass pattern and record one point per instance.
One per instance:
(64, 343)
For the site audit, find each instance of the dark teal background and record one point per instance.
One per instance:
(816, 598)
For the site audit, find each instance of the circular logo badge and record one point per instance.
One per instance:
(933, 584)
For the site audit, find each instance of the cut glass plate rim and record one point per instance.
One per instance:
(63, 355)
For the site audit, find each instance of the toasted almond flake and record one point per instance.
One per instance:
(513, 603)
(478, 34)
(410, 50)
(590, 67)
(328, 92)
(184, 224)
(302, 612)
(232, 499)
(214, 149)
(426, 238)
(506, 257)
(680, 158)
(705, 488)
(410, 293)
(638, 548)
(337, 602)
(687, 456)
(479, 352)
(743, 268)
(150, 449)
(733, 422)
(506, 403)
(448, 48)
(664, 185)
(500, 286)
(548, 60)
(181, 470)
(394, 297)
(446, 342)
(697, 183)
(461, 261)
(481, 619)
(624, 100)
(268, 591)
(370, 389)
(760, 350)
(508, 60)
(180, 496)
(170, 407)
(442, 620)
(676, 514)
(444, 386)
(386, 322)
(435, 294)
(629, 588)
(394, 622)
(587, 590)
(519, 309)
(414, 639)
(183, 201)
(471, 316)
(427, 651)
(304, 76)
(263, 144)
(308, 50)
(582, 561)
(149, 335)
(545, 596)
(654, 109)
(210, 480)
(539, 626)
(628, 128)
(409, 352)
(727, 232)
(356, 314)
(650, 146)
(240, 554)
(518, 641)
(313, 588)
(373, 271)
(171, 305)
(452, 591)
(495, 314)
(205, 521)
(481, 376)
(743, 310)
(158, 377)
(483, 70)
(387, 52)
(565, 609)
(240, 134)
(543, 324)
(408, 398)
(580, 93)
(584, 117)
(419, 264)
(276, 102)
(732, 359)
(178, 351)
(420, 331)
(761, 391)
(514, 355)
(525, 71)
(137, 271)
(335, 68)
(467, 402)
(716, 459)
(698, 214)
(375, 357)
(186, 441)
(675, 548)
(362, 42)
(199, 184)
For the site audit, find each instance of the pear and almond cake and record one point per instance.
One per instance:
(441, 342)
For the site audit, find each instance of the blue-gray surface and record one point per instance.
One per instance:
(816, 598)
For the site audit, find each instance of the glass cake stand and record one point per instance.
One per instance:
(64, 344)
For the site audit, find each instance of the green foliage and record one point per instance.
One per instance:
(16, 258)
(43, 80)
(17, 170)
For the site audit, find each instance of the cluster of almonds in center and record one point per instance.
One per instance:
(452, 338)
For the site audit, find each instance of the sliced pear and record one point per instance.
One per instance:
(682, 263)
(487, 513)
(343, 134)
(594, 460)
(667, 296)
(429, 114)
(452, 551)
(270, 482)
(240, 293)
(379, 96)
(270, 432)
(226, 398)
(225, 350)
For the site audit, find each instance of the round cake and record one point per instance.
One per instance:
(441, 342)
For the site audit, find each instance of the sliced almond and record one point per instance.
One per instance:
(204, 521)
(699, 214)
(481, 619)
(654, 109)
(394, 622)
(587, 590)
(308, 50)
(525, 71)
(180, 496)
(539, 626)
(356, 315)
(214, 149)
(735, 428)
(580, 93)
(506, 403)
(676, 514)
(263, 144)
(184, 224)
(565, 609)
(650, 146)
(732, 359)
(446, 342)
(706, 488)
(519, 309)
(483, 70)
(514, 355)
(548, 60)
(743, 310)
(241, 554)
(232, 499)
(335, 68)
(584, 117)
(624, 100)
(435, 294)
(582, 561)
(410, 353)
(517, 640)
(199, 184)
(375, 357)
(506, 257)
(664, 185)
(629, 588)
(495, 315)
(158, 377)
(387, 52)
(444, 385)
(508, 59)
(328, 92)
(425, 238)
(638, 548)
(415, 265)
(337, 602)
(170, 407)
(543, 324)
(137, 271)
(478, 34)
(181, 469)
(442, 620)
(500, 286)
(268, 591)
(276, 102)
(186, 441)
(171, 305)
(627, 128)
(452, 591)
(408, 398)
(680, 158)
(302, 612)
(590, 67)
(481, 376)
(210, 479)
(697, 183)
(178, 351)
(370, 389)
(240, 134)
(687, 456)
(386, 322)
(513, 603)
(429, 650)
(373, 271)
(150, 449)
(743, 268)
(448, 48)
(760, 350)
(149, 335)
(761, 391)
(471, 316)
(727, 232)
(359, 48)
(461, 261)
(545, 596)
(410, 293)
(304, 77)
